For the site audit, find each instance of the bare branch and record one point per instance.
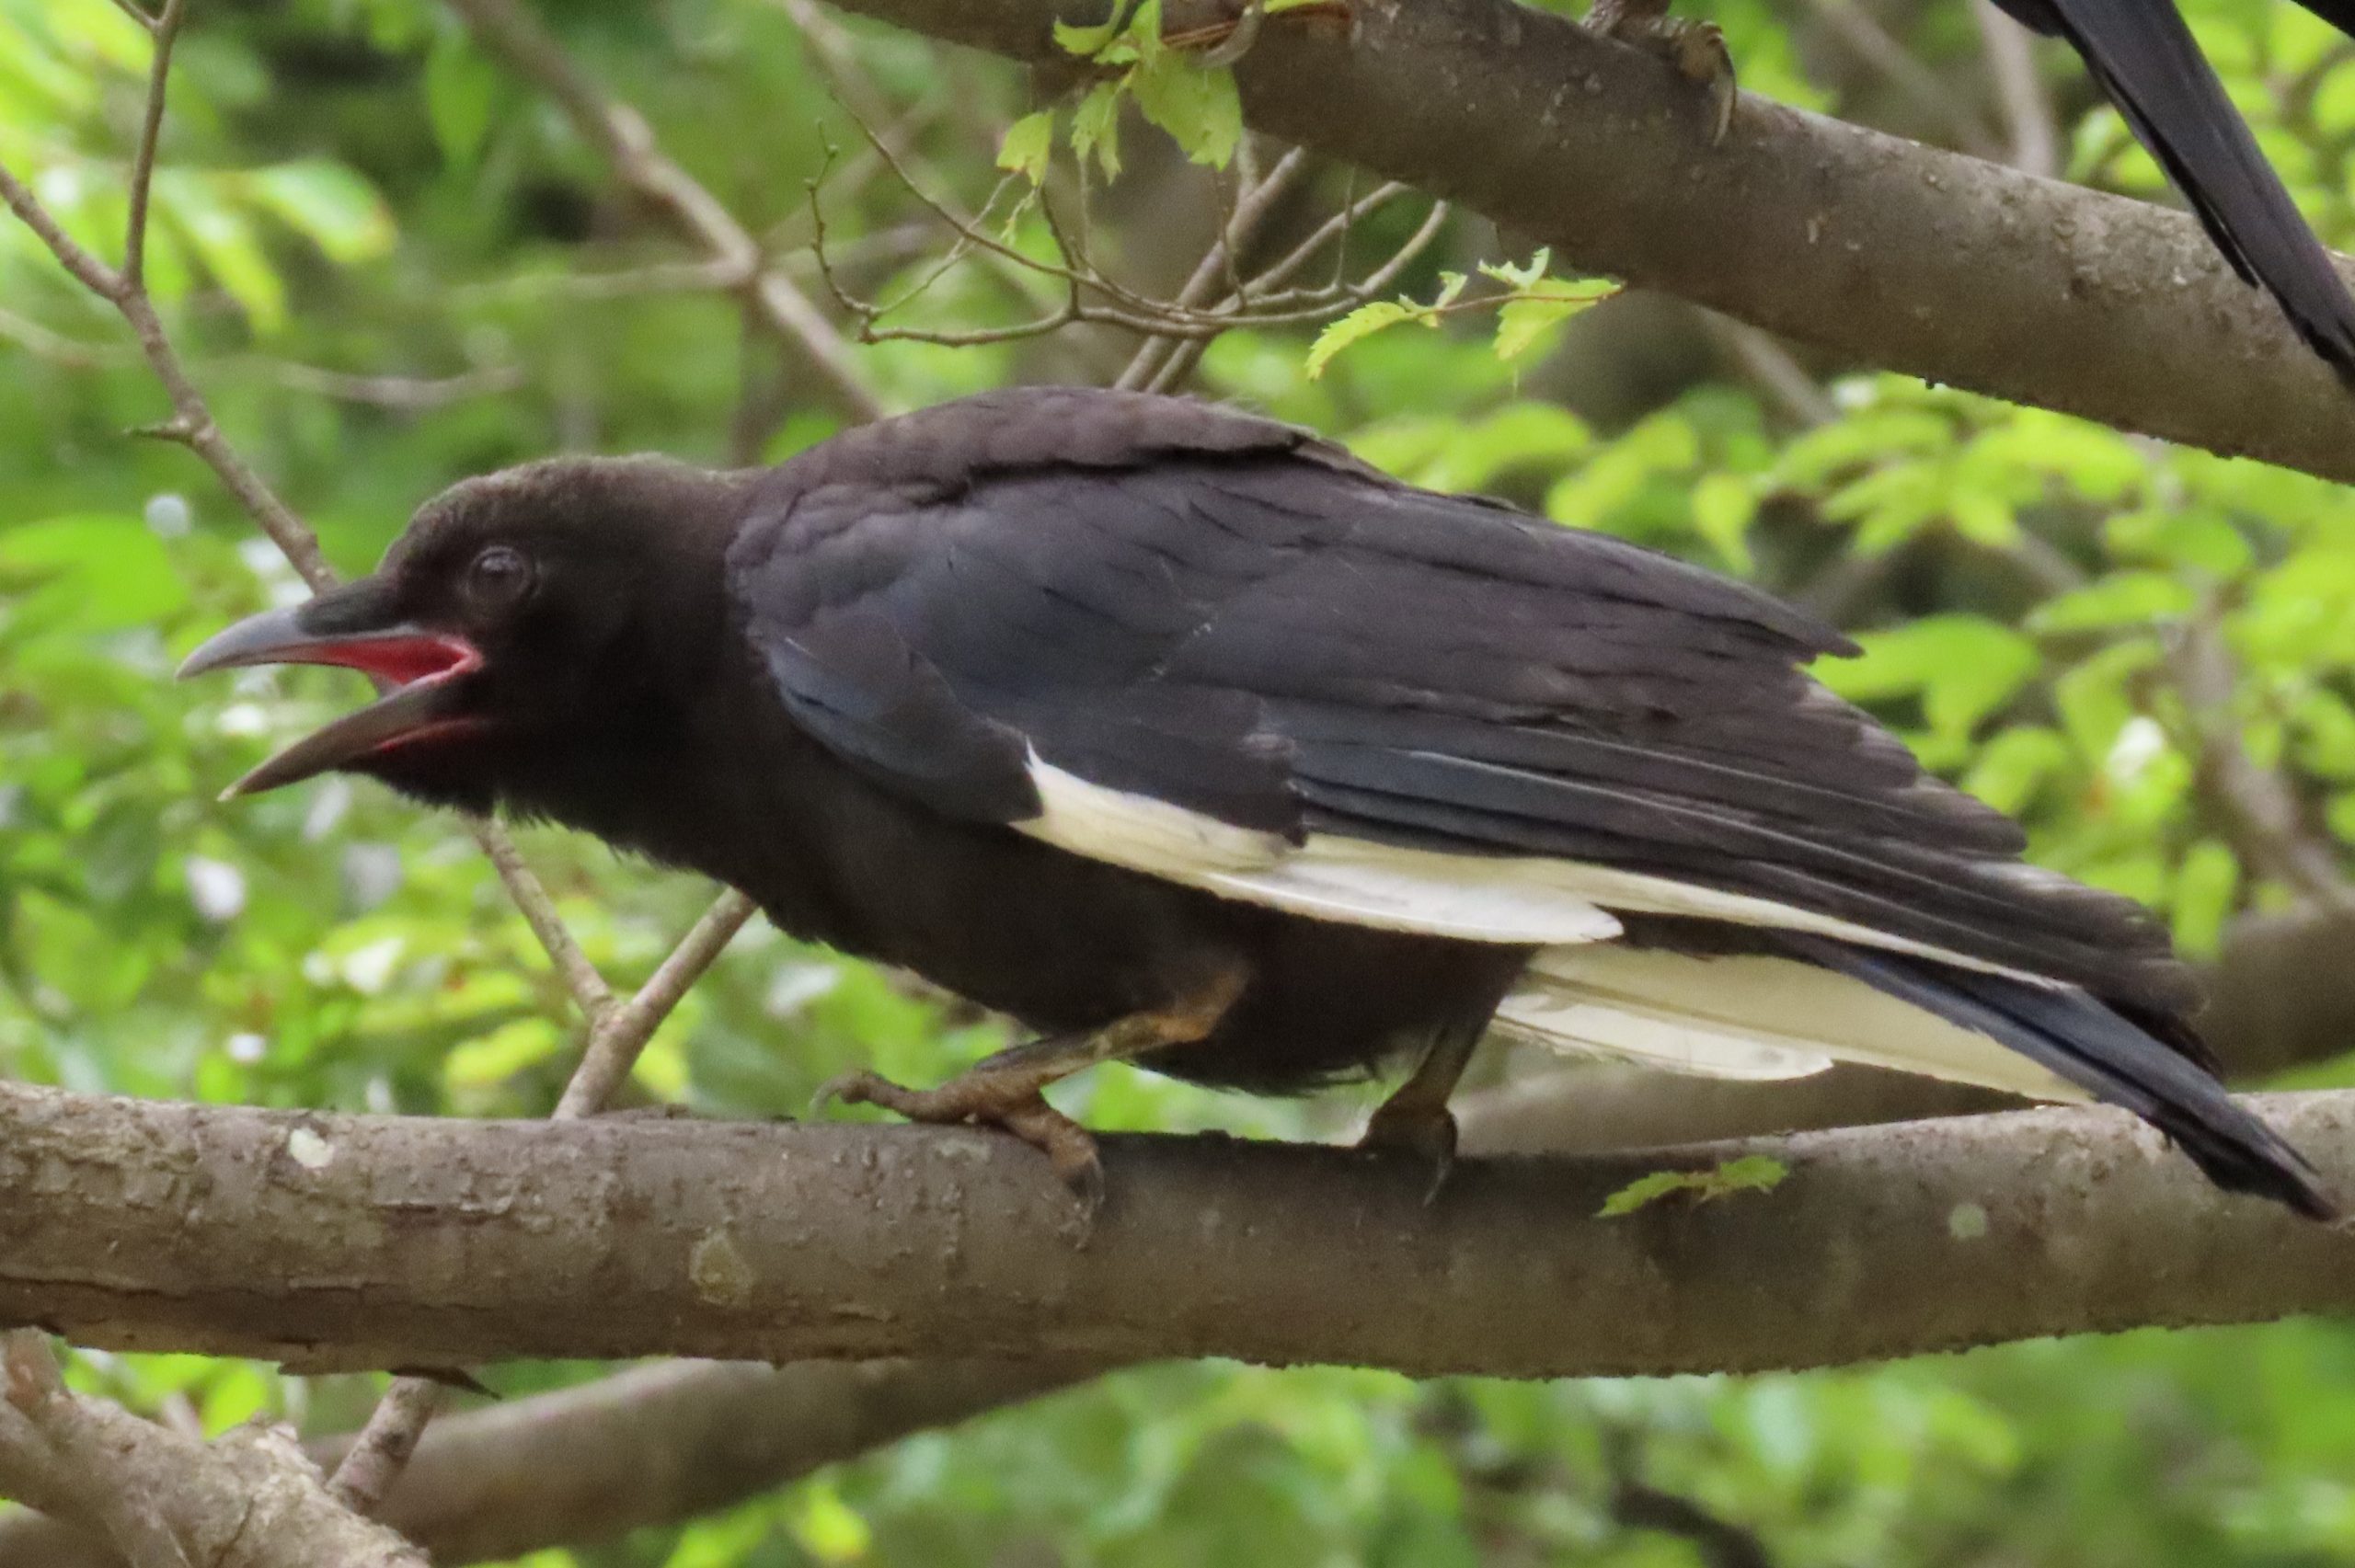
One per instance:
(251, 1500)
(383, 1447)
(1218, 273)
(622, 1033)
(167, 32)
(589, 992)
(650, 1446)
(87, 269)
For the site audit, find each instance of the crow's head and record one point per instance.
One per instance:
(528, 616)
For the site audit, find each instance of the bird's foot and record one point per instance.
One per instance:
(1427, 1132)
(1696, 48)
(985, 1097)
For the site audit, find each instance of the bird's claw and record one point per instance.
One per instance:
(1695, 49)
(1428, 1135)
(984, 1099)
(856, 1087)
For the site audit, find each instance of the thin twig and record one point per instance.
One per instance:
(381, 1450)
(622, 135)
(1870, 42)
(2028, 108)
(2258, 809)
(87, 269)
(1221, 264)
(589, 992)
(615, 1045)
(151, 131)
(404, 392)
(1772, 371)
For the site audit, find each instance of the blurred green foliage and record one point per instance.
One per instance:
(352, 191)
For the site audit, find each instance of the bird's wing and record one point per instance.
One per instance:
(1249, 664)
(2146, 60)
(1206, 648)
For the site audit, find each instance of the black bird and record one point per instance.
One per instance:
(2147, 62)
(1184, 737)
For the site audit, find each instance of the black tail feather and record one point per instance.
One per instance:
(2110, 1056)
(2146, 60)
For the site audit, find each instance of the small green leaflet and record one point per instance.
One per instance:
(1522, 322)
(1525, 314)
(1751, 1172)
(1368, 319)
(1028, 142)
(1095, 128)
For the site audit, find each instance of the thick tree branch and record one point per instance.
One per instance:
(331, 1241)
(1891, 253)
(251, 1500)
(652, 1446)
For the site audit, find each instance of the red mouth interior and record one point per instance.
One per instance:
(398, 660)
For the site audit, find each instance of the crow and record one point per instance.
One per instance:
(2144, 58)
(1186, 738)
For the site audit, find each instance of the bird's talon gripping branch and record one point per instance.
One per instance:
(1415, 1119)
(991, 1094)
(1696, 48)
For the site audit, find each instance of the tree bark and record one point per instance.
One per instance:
(1878, 249)
(342, 1241)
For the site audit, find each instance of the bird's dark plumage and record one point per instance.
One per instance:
(2147, 62)
(1093, 707)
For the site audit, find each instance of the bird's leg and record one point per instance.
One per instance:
(1006, 1090)
(1416, 1118)
(1696, 48)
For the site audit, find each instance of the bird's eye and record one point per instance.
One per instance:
(499, 579)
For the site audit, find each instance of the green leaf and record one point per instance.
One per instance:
(1090, 39)
(504, 1052)
(1751, 1172)
(1962, 667)
(336, 209)
(1526, 276)
(1522, 322)
(2176, 536)
(1028, 145)
(462, 90)
(97, 573)
(225, 239)
(2014, 765)
(2122, 599)
(1096, 127)
(1723, 506)
(1356, 326)
(1198, 106)
(2205, 886)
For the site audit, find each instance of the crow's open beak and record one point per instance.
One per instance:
(358, 627)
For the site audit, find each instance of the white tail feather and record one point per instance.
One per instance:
(1749, 1016)
(1474, 898)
